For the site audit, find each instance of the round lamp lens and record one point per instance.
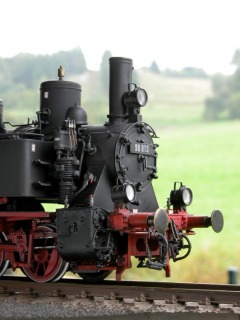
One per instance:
(130, 192)
(187, 196)
(141, 97)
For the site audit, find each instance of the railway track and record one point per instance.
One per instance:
(112, 298)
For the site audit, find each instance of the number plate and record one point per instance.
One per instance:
(141, 148)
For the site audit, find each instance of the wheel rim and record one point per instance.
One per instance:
(27, 204)
(3, 262)
(47, 265)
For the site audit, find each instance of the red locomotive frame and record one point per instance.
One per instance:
(19, 250)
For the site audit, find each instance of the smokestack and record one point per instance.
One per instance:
(120, 74)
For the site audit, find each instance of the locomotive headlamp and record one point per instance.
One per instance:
(124, 193)
(141, 97)
(181, 197)
(136, 97)
(130, 192)
(187, 196)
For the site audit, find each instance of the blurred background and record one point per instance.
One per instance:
(186, 55)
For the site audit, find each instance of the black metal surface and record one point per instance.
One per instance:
(138, 167)
(23, 168)
(82, 235)
(120, 77)
(55, 98)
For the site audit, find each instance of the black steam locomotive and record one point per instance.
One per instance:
(102, 175)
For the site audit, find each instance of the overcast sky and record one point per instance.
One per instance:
(175, 33)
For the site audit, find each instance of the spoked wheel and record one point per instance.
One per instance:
(3, 262)
(47, 265)
(97, 276)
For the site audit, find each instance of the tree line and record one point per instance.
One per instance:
(29, 69)
(20, 77)
(225, 102)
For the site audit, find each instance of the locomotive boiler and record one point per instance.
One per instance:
(101, 175)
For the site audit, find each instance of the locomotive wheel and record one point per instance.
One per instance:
(47, 264)
(97, 276)
(3, 262)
